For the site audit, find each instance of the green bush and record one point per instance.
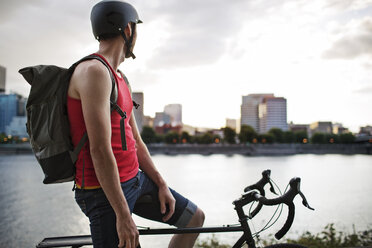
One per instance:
(328, 238)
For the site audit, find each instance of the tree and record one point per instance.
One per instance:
(247, 134)
(266, 138)
(301, 137)
(318, 138)
(288, 137)
(185, 137)
(277, 133)
(347, 138)
(148, 135)
(229, 134)
(331, 138)
(172, 138)
(206, 138)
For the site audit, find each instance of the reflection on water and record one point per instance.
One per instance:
(337, 186)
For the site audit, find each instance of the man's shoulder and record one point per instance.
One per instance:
(91, 69)
(89, 75)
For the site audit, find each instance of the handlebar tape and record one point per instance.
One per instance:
(288, 223)
(288, 200)
(260, 187)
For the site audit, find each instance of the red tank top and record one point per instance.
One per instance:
(127, 161)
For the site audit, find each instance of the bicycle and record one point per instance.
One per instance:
(252, 193)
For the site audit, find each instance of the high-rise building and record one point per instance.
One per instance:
(175, 113)
(249, 109)
(17, 127)
(138, 113)
(272, 113)
(2, 79)
(8, 110)
(11, 106)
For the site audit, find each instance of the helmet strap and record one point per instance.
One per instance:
(129, 42)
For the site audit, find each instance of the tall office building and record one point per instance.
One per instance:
(272, 113)
(249, 109)
(8, 110)
(175, 113)
(2, 79)
(138, 113)
(17, 127)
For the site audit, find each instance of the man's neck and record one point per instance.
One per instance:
(113, 52)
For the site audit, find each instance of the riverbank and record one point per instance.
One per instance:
(261, 149)
(249, 150)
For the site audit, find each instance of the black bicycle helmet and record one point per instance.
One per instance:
(111, 17)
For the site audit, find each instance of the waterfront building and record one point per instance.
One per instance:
(161, 119)
(231, 123)
(2, 79)
(148, 121)
(189, 129)
(272, 113)
(17, 127)
(367, 130)
(299, 127)
(8, 110)
(138, 112)
(338, 128)
(11, 105)
(321, 127)
(249, 109)
(175, 113)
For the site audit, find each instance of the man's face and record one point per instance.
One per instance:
(133, 41)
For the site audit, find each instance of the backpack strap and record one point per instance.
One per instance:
(136, 105)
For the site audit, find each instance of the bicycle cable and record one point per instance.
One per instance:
(269, 224)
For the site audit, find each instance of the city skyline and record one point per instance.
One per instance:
(316, 54)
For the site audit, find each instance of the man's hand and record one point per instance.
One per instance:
(166, 198)
(127, 232)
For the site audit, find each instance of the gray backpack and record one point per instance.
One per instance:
(47, 119)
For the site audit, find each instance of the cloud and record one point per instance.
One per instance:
(42, 32)
(199, 31)
(365, 90)
(355, 40)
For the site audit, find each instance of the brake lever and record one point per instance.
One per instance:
(272, 188)
(304, 201)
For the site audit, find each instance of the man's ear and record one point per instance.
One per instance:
(128, 30)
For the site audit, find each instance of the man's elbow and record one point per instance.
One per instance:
(100, 151)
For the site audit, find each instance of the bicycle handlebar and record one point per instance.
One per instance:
(286, 198)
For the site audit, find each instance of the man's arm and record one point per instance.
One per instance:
(147, 166)
(93, 85)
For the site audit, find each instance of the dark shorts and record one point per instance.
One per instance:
(142, 198)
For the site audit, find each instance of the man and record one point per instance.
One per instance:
(108, 179)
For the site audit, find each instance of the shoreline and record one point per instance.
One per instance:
(248, 150)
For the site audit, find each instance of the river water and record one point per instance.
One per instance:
(339, 187)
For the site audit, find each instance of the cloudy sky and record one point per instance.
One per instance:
(207, 54)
